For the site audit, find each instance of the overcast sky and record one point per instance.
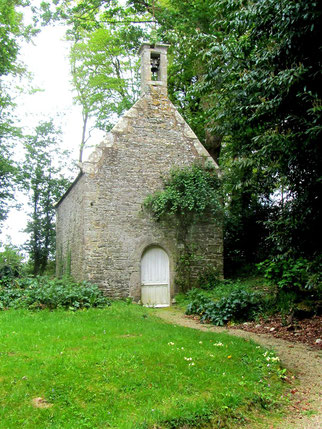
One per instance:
(47, 59)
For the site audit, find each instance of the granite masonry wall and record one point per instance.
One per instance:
(101, 228)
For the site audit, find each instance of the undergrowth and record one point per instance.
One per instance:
(45, 292)
(237, 306)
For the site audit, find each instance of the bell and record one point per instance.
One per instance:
(155, 63)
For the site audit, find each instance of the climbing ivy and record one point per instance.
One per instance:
(188, 194)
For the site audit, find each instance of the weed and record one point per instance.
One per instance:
(238, 306)
(45, 292)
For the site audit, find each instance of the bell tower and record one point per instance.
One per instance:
(154, 64)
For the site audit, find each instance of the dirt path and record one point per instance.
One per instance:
(305, 363)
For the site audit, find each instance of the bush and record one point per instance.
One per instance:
(298, 275)
(285, 272)
(11, 263)
(44, 292)
(298, 282)
(208, 279)
(238, 306)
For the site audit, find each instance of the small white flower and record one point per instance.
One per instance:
(200, 342)
(191, 364)
(187, 358)
(218, 344)
(182, 348)
(171, 343)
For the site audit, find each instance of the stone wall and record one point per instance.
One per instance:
(70, 230)
(101, 218)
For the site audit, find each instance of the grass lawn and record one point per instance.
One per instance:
(120, 367)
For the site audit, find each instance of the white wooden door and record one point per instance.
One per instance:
(155, 287)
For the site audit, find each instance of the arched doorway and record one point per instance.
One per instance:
(155, 284)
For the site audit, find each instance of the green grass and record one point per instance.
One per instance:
(120, 367)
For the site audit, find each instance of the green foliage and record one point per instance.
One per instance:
(246, 77)
(189, 193)
(263, 75)
(10, 30)
(43, 179)
(238, 306)
(44, 292)
(105, 75)
(7, 167)
(187, 28)
(298, 284)
(208, 278)
(297, 274)
(11, 263)
(103, 56)
(185, 263)
(12, 33)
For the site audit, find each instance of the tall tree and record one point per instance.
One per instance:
(246, 77)
(104, 64)
(105, 76)
(12, 31)
(43, 178)
(264, 73)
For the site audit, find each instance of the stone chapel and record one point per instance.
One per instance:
(103, 236)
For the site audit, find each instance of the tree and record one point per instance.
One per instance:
(187, 27)
(104, 63)
(267, 104)
(105, 76)
(11, 263)
(44, 181)
(245, 76)
(12, 31)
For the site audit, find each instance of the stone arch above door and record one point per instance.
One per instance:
(155, 277)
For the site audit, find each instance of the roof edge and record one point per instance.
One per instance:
(80, 174)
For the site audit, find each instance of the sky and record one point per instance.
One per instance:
(47, 59)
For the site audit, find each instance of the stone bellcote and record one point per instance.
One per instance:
(154, 64)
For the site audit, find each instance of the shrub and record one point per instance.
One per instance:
(238, 306)
(11, 263)
(44, 292)
(208, 279)
(285, 272)
(299, 275)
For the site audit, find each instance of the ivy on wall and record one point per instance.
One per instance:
(189, 195)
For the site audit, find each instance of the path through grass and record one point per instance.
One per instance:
(120, 367)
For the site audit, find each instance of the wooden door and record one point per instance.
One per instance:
(155, 289)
